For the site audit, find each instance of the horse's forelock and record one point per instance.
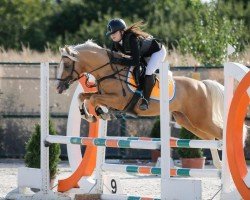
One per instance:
(69, 52)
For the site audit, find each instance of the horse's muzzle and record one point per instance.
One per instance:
(61, 87)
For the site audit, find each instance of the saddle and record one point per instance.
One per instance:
(135, 85)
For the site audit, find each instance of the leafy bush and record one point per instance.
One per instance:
(207, 38)
(32, 157)
(155, 132)
(189, 152)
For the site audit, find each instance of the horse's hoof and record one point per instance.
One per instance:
(83, 117)
(218, 165)
(112, 117)
(91, 119)
(105, 116)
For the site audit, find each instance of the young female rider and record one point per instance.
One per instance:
(138, 45)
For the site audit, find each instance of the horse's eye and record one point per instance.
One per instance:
(66, 66)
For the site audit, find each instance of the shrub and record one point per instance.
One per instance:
(32, 157)
(155, 132)
(189, 152)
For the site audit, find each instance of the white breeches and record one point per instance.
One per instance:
(155, 61)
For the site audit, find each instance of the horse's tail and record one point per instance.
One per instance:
(244, 135)
(217, 95)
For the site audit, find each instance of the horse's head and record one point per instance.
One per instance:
(83, 58)
(69, 68)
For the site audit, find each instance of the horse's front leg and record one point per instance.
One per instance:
(106, 100)
(102, 112)
(83, 101)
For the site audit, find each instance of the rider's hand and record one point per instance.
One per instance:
(115, 60)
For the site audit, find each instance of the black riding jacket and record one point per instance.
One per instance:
(137, 48)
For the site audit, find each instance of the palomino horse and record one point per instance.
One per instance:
(197, 105)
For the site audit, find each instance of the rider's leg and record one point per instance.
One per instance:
(149, 83)
(153, 64)
(136, 74)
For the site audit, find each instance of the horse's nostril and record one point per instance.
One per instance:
(56, 83)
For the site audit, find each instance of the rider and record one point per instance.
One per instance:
(138, 45)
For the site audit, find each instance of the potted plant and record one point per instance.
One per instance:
(190, 157)
(32, 156)
(155, 133)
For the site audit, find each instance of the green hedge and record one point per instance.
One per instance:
(32, 156)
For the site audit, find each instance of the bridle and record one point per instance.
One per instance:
(67, 81)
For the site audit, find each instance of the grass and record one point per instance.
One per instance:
(28, 55)
(174, 57)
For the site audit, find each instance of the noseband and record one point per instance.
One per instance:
(69, 79)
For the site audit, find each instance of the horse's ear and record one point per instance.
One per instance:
(61, 50)
(67, 49)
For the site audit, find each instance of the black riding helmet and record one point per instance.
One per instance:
(115, 25)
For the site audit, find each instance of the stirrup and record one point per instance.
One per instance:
(144, 104)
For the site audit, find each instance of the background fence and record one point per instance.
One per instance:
(20, 107)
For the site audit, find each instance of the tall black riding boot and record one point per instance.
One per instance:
(149, 83)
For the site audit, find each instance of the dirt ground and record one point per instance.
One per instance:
(138, 185)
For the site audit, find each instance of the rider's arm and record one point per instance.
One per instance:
(134, 60)
(113, 48)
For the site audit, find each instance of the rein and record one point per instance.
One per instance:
(69, 79)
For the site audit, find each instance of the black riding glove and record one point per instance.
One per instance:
(115, 60)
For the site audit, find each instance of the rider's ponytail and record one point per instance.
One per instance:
(136, 29)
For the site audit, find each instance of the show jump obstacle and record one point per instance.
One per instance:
(87, 176)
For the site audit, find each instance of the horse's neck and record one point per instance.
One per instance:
(92, 61)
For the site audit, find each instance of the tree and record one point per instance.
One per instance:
(208, 37)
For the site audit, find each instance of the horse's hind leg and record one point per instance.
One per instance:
(183, 121)
(205, 124)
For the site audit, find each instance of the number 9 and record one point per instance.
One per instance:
(113, 186)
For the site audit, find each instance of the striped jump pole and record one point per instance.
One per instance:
(134, 143)
(181, 143)
(157, 170)
(124, 197)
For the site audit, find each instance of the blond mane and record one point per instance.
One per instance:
(73, 50)
(89, 44)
